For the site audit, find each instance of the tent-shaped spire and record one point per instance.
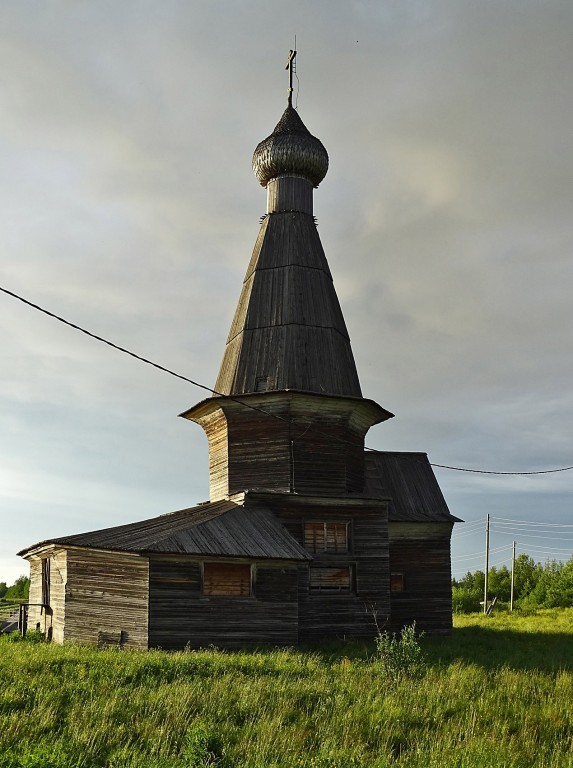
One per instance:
(288, 332)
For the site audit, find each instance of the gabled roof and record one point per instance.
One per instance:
(408, 479)
(222, 528)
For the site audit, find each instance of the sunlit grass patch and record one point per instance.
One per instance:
(491, 695)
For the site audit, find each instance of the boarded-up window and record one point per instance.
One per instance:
(226, 579)
(261, 383)
(330, 579)
(396, 582)
(46, 580)
(107, 638)
(326, 537)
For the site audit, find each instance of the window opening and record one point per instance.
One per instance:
(329, 579)
(396, 582)
(46, 580)
(230, 579)
(326, 537)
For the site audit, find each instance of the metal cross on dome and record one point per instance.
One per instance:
(291, 66)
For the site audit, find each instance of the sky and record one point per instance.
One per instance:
(128, 206)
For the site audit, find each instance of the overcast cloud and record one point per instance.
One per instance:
(128, 205)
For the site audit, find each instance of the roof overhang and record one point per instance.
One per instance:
(256, 401)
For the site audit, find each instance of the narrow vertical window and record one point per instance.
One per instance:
(396, 582)
(46, 580)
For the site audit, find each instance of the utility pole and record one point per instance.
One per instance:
(512, 576)
(486, 562)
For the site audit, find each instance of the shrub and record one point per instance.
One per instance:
(401, 656)
(200, 748)
(465, 600)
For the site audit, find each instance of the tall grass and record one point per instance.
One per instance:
(500, 699)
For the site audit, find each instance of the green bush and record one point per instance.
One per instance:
(466, 600)
(401, 656)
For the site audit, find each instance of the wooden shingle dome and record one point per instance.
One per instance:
(290, 149)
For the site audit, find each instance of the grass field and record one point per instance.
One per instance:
(498, 693)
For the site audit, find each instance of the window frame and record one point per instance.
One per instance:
(46, 580)
(212, 564)
(397, 575)
(316, 590)
(316, 548)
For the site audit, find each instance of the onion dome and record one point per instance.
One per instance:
(290, 150)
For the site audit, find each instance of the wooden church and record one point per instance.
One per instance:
(306, 535)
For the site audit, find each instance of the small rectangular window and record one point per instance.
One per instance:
(226, 579)
(326, 537)
(261, 383)
(396, 582)
(329, 580)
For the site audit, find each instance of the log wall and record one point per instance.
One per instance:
(351, 614)
(421, 551)
(181, 616)
(106, 598)
(288, 442)
(50, 621)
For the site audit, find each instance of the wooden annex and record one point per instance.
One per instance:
(306, 535)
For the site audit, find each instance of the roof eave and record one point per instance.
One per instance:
(209, 404)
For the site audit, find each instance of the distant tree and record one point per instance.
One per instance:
(527, 574)
(467, 592)
(19, 589)
(554, 588)
(499, 583)
(536, 585)
(3, 589)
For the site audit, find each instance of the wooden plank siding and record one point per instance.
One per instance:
(259, 449)
(106, 592)
(295, 441)
(289, 193)
(344, 614)
(180, 615)
(421, 552)
(215, 426)
(50, 621)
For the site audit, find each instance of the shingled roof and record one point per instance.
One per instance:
(288, 332)
(409, 481)
(222, 528)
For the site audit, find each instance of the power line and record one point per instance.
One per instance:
(480, 554)
(233, 399)
(491, 472)
(475, 524)
(533, 536)
(528, 523)
(135, 355)
(549, 550)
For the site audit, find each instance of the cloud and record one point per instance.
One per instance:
(128, 205)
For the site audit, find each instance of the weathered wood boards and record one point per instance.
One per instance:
(297, 442)
(304, 538)
(182, 615)
(420, 555)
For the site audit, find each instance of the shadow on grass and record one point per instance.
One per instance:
(494, 648)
